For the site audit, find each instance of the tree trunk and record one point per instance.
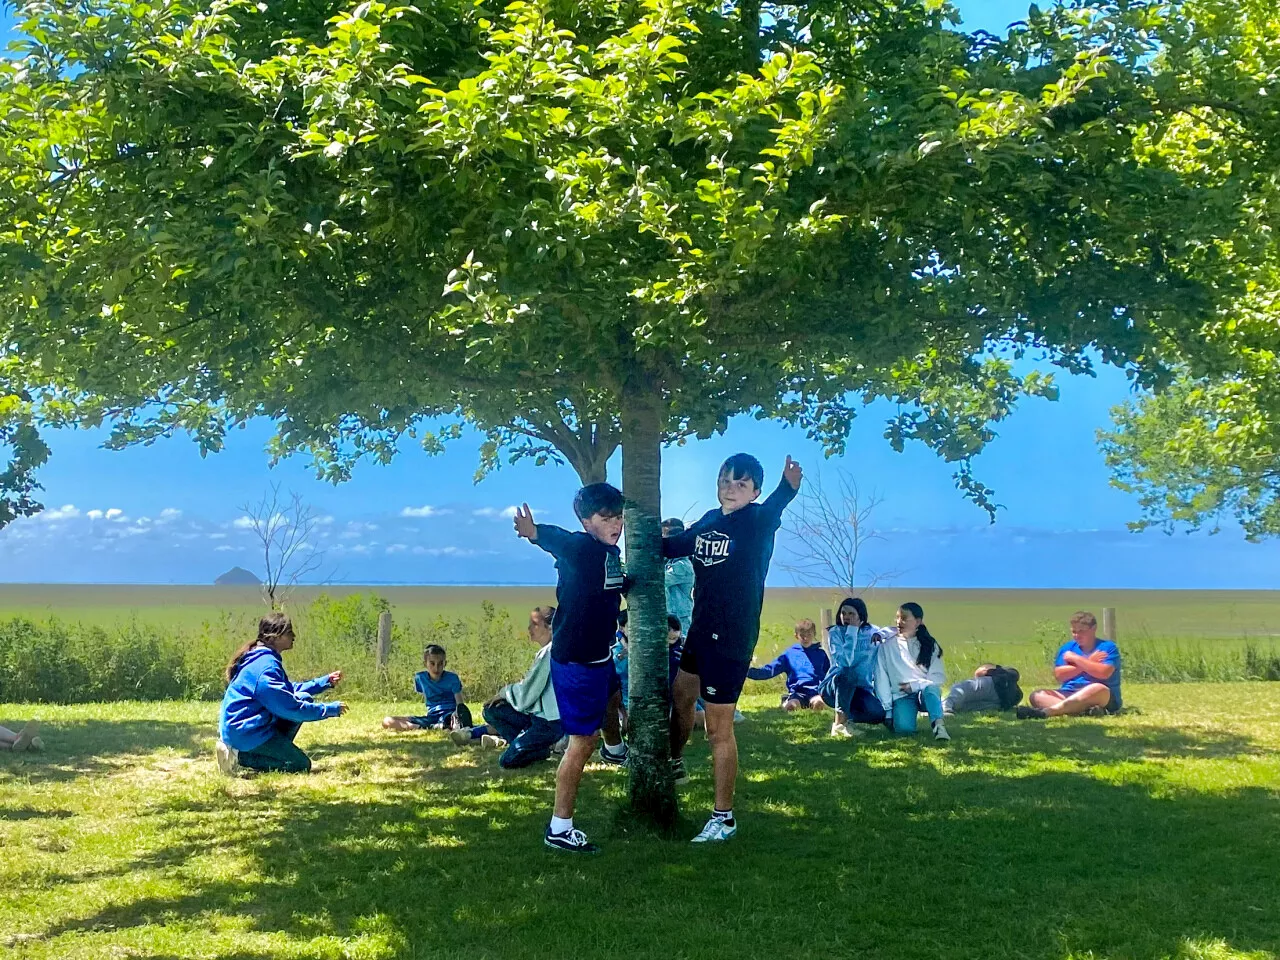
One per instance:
(749, 22)
(590, 471)
(653, 797)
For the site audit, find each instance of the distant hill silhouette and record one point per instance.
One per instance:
(238, 577)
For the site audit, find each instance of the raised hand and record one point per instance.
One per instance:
(525, 527)
(335, 678)
(792, 473)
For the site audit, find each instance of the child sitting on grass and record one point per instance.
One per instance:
(909, 674)
(28, 738)
(805, 664)
(441, 691)
(262, 710)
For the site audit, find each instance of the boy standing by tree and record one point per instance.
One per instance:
(588, 596)
(731, 548)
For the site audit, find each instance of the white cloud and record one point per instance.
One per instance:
(217, 536)
(495, 512)
(94, 514)
(424, 511)
(65, 512)
(324, 521)
(169, 513)
(397, 548)
(243, 523)
(223, 548)
(115, 513)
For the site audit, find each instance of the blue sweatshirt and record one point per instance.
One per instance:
(857, 648)
(731, 554)
(588, 594)
(261, 694)
(805, 668)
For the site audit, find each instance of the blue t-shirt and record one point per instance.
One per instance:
(441, 695)
(1111, 655)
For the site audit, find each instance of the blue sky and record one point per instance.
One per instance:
(162, 514)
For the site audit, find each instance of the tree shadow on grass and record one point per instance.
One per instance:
(884, 847)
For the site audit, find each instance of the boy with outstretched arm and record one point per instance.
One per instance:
(731, 548)
(588, 596)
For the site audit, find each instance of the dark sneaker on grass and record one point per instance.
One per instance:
(1096, 711)
(1031, 713)
(571, 841)
(613, 759)
(677, 771)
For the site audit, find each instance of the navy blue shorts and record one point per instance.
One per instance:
(582, 694)
(721, 677)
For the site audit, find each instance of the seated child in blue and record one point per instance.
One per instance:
(805, 664)
(441, 691)
(850, 686)
(1088, 669)
(262, 710)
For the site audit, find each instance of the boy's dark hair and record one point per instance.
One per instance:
(673, 623)
(622, 618)
(743, 465)
(674, 525)
(602, 498)
(433, 650)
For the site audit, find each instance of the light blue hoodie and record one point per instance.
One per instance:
(856, 648)
(261, 694)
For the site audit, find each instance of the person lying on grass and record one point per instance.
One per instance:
(909, 674)
(805, 664)
(262, 710)
(991, 688)
(441, 691)
(523, 718)
(28, 738)
(1088, 670)
(850, 684)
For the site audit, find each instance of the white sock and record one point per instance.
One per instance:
(561, 824)
(616, 751)
(722, 814)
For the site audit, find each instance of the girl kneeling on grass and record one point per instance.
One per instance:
(262, 710)
(909, 674)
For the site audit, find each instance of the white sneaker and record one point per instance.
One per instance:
(716, 831)
(26, 736)
(738, 716)
(228, 759)
(839, 730)
(490, 742)
(940, 731)
(461, 736)
(560, 747)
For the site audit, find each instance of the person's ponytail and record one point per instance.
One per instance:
(274, 624)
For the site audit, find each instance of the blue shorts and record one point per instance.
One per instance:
(582, 694)
(720, 678)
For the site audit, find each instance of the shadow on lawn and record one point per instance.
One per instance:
(879, 847)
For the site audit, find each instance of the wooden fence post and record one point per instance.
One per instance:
(384, 638)
(1109, 624)
(824, 618)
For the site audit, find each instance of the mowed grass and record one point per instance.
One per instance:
(1149, 835)
(994, 616)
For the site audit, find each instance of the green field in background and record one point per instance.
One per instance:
(987, 616)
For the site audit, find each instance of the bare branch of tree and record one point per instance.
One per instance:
(830, 528)
(286, 530)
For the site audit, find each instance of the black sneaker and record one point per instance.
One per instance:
(571, 841)
(613, 759)
(1031, 713)
(677, 771)
(1096, 711)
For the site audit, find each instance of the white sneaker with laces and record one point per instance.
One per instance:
(228, 759)
(839, 730)
(940, 731)
(572, 841)
(490, 742)
(716, 831)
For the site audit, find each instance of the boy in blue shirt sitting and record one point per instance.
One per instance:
(1088, 669)
(805, 664)
(441, 691)
(589, 589)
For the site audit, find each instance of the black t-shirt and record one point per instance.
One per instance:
(588, 594)
(731, 554)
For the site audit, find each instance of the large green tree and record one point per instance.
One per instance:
(583, 224)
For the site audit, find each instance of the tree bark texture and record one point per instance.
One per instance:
(653, 798)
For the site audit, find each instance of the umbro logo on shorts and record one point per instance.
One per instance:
(711, 691)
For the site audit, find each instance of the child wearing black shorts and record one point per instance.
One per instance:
(731, 548)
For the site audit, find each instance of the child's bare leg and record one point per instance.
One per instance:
(7, 737)
(24, 737)
(612, 728)
(684, 699)
(569, 773)
(1094, 695)
(398, 723)
(724, 751)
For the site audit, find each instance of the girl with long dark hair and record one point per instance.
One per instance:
(262, 710)
(849, 685)
(909, 674)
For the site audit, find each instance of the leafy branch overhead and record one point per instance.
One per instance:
(375, 221)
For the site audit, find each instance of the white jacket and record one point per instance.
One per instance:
(896, 664)
(534, 694)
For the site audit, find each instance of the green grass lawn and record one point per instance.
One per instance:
(1154, 834)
